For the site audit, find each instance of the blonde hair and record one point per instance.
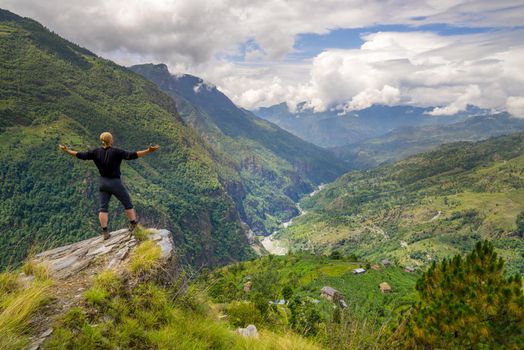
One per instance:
(106, 138)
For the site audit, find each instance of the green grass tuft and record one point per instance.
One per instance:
(39, 271)
(145, 257)
(141, 233)
(96, 296)
(18, 302)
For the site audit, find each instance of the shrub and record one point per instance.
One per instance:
(243, 313)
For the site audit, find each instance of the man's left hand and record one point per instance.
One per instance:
(153, 148)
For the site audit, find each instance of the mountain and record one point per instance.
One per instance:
(423, 208)
(265, 169)
(329, 129)
(406, 141)
(53, 91)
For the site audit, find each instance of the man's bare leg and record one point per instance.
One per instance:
(131, 215)
(104, 218)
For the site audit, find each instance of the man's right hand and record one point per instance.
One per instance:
(63, 148)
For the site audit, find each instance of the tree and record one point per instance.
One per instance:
(520, 224)
(335, 255)
(466, 303)
(304, 316)
(287, 292)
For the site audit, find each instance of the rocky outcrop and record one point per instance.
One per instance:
(69, 260)
(73, 266)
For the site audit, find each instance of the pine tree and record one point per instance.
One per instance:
(466, 303)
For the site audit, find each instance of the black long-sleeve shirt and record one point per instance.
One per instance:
(107, 160)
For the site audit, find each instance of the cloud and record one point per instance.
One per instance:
(243, 47)
(413, 68)
(472, 92)
(196, 31)
(515, 106)
(364, 99)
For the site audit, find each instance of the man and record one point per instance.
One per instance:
(108, 159)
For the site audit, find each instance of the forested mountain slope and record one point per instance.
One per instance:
(423, 208)
(268, 169)
(53, 91)
(406, 141)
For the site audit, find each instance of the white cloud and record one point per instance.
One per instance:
(364, 99)
(200, 37)
(195, 31)
(416, 68)
(419, 68)
(515, 106)
(472, 92)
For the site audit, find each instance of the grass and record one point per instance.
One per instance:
(141, 233)
(145, 257)
(369, 317)
(19, 301)
(39, 271)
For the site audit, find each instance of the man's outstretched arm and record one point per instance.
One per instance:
(67, 150)
(150, 149)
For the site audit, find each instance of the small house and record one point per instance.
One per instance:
(375, 267)
(359, 271)
(386, 263)
(410, 269)
(385, 287)
(329, 293)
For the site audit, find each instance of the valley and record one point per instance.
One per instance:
(262, 167)
(421, 209)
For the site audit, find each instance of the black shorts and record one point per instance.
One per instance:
(108, 187)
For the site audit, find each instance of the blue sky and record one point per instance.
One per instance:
(311, 44)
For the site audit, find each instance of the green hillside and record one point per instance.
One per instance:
(424, 208)
(298, 279)
(52, 91)
(265, 169)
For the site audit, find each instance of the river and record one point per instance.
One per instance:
(277, 247)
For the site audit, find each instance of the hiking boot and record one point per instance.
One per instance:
(132, 226)
(106, 234)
